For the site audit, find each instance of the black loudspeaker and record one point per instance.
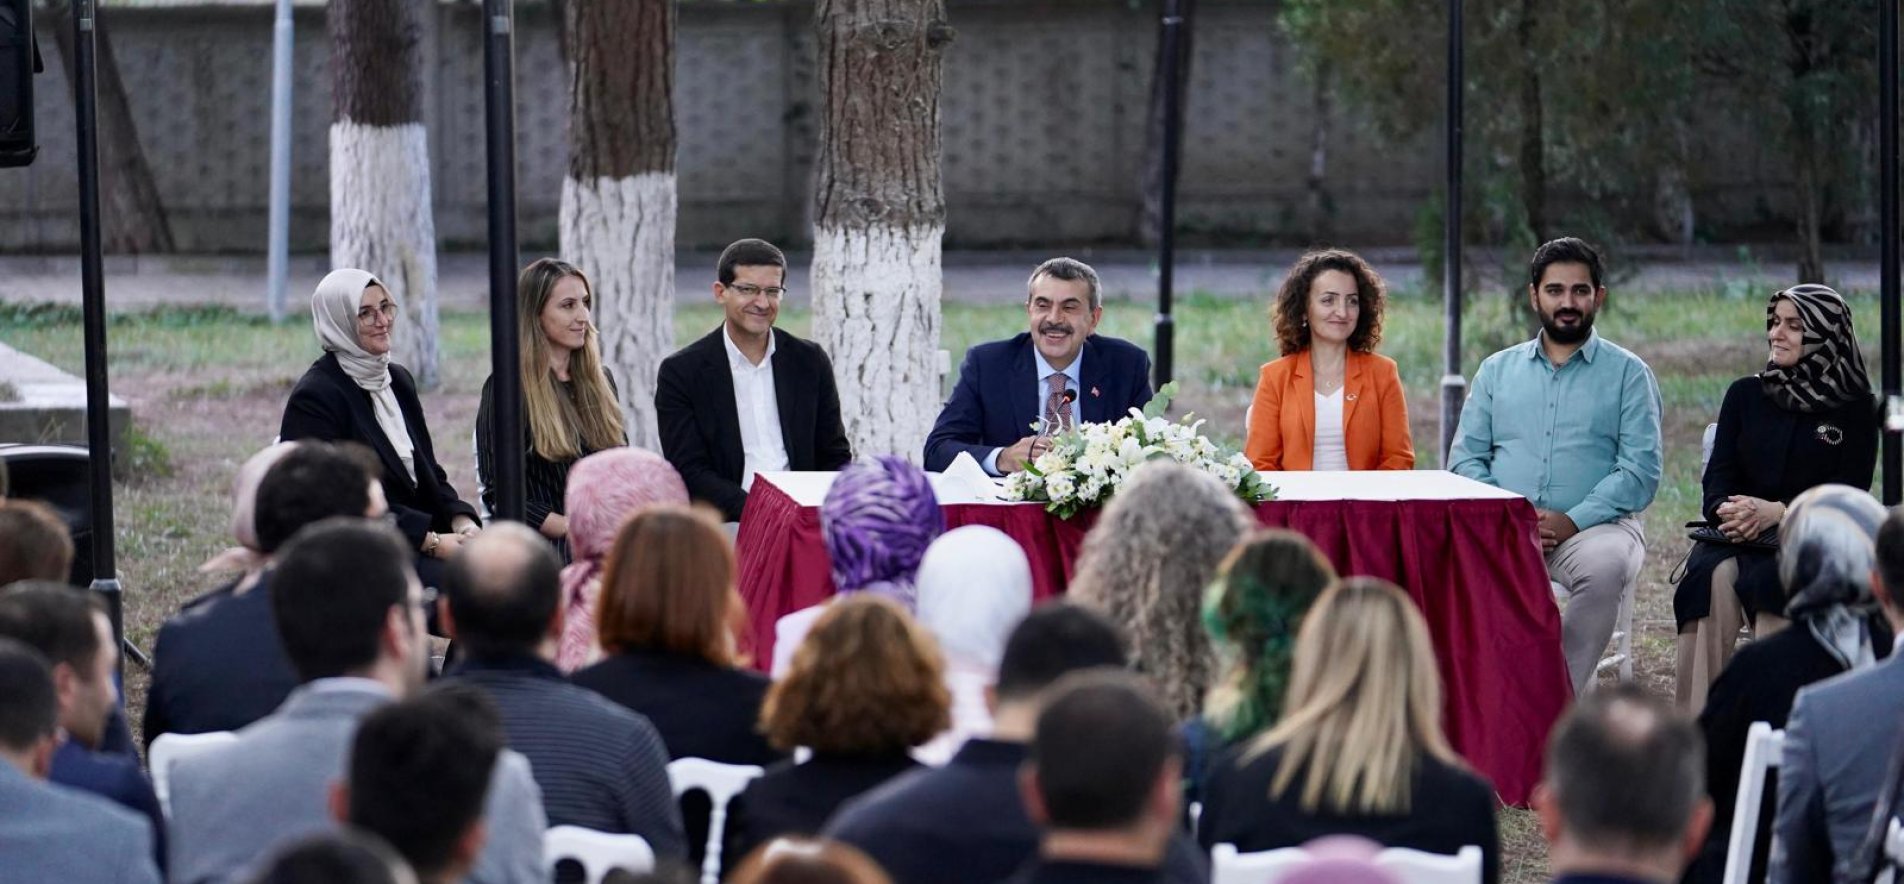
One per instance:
(58, 476)
(19, 61)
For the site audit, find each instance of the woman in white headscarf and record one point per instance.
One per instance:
(355, 393)
(974, 586)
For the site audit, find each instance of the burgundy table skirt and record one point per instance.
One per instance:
(1473, 566)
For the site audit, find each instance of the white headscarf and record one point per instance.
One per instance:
(974, 587)
(334, 309)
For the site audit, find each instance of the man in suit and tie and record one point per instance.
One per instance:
(49, 832)
(349, 609)
(748, 397)
(1838, 745)
(1050, 377)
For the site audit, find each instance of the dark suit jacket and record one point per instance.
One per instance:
(218, 665)
(1837, 752)
(326, 404)
(57, 833)
(700, 426)
(996, 399)
(700, 709)
(117, 778)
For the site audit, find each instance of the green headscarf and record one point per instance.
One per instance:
(1253, 611)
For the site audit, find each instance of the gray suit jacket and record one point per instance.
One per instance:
(1837, 748)
(232, 805)
(53, 833)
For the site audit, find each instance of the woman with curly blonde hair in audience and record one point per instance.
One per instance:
(865, 687)
(1146, 565)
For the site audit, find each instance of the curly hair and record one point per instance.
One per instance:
(866, 681)
(1291, 311)
(1252, 613)
(1145, 566)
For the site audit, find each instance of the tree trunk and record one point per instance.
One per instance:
(1321, 206)
(1811, 254)
(381, 220)
(618, 201)
(1150, 224)
(132, 216)
(880, 215)
(1533, 153)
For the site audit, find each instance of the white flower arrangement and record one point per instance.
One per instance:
(1084, 467)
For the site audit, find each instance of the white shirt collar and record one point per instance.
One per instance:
(1045, 369)
(738, 360)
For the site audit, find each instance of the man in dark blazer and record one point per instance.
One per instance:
(748, 398)
(1058, 373)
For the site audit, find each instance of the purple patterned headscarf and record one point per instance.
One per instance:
(878, 519)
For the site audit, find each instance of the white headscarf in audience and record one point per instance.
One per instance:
(334, 306)
(1827, 549)
(248, 556)
(974, 586)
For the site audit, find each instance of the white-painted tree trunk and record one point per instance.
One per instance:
(381, 222)
(876, 295)
(620, 231)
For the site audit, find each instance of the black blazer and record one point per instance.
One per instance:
(702, 710)
(700, 426)
(326, 404)
(798, 799)
(218, 665)
(996, 399)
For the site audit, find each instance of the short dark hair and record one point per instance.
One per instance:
(1565, 250)
(311, 482)
(503, 605)
(54, 619)
(34, 543)
(29, 709)
(332, 591)
(420, 770)
(344, 855)
(1053, 641)
(750, 253)
(1069, 270)
(1890, 553)
(1102, 739)
(1626, 770)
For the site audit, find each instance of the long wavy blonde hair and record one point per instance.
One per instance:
(1364, 703)
(561, 429)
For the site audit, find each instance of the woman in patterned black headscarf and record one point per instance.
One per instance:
(1808, 419)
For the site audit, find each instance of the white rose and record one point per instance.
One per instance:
(1059, 487)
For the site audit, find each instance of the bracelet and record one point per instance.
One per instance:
(430, 542)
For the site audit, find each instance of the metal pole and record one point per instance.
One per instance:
(505, 374)
(93, 296)
(1888, 233)
(1172, 69)
(1454, 387)
(280, 229)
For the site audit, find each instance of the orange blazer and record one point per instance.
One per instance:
(1282, 426)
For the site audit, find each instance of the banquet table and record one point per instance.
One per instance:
(1466, 552)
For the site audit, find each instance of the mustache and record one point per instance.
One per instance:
(1046, 327)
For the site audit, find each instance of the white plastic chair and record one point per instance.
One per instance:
(169, 748)
(597, 852)
(1227, 866)
(1764, 748)
(721, 782)
(1262, 867)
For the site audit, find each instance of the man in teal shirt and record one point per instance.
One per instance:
(1570, 421)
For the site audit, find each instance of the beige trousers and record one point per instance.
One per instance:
(1706, 644)
(1594, 567)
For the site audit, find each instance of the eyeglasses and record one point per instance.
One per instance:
(748, 290)
(368, 315)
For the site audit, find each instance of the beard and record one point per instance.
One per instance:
(1562, 334)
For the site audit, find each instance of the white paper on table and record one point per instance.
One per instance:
(964, 482)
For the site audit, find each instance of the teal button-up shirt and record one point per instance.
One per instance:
(1583, 438)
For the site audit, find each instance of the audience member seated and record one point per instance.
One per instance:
(1622, 800)
(974, 586)
(1146, 564)
(418, 775)
(248, 558)
(1330, 402)
(1252, 614)
(34, 543)
(1826, 564)
(605, 488)
(569, 405)
(905, 823)
(600, 766)
(877, 520)
(70, 629)
(343, 857)
(354, 393)
(219, 664)
(349, 610)
(807, 861)
(1359, 749)
(1806, 420)
(865, 687)
(1570, 421)
(52, 833)
(1055, 375)
(1103, 780)
(1839, 740)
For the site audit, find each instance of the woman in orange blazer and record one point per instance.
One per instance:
(1328, 320)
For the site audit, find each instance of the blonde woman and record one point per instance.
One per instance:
(569, 407)
(1359, 748)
